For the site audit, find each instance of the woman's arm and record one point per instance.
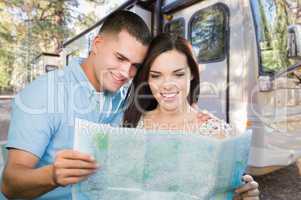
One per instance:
(248, 191)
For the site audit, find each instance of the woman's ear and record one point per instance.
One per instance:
(191, 78)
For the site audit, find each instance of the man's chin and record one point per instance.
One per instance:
(113, 88)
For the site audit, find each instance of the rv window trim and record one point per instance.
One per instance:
(177, 5)
(259, 58)
(182, 19)
(261, 71)
(226, 13)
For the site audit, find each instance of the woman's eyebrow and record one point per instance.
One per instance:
(177, 70)
(152, 71)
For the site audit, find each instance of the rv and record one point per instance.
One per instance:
(249, 54)
(43, 63)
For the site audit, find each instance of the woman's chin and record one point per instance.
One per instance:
(170, 108)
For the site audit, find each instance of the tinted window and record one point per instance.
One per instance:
(176, 26)
(208, 33)
(272, 18)
(49, 68)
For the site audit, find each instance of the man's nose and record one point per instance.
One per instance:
(126, 69)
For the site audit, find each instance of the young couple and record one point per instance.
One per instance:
(41, 163)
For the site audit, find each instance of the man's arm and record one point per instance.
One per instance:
(22, 180)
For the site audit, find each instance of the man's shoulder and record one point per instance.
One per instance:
(44, 88)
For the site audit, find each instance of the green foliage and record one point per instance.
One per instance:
(274, 31)
(29, 27)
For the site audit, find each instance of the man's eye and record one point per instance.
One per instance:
(120, 58)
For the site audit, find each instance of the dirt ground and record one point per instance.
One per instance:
(284, 184)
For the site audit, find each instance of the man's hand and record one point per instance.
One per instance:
(71, 167)
(248, 191)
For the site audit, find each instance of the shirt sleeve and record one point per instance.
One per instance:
(30, 128)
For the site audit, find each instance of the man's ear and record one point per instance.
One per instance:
(99, 39)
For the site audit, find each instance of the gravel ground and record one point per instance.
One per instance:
(283, 184)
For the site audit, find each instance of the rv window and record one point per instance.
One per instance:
(176, 26)
(272, 19)
(72, 55)
(49, 68)
(207, 33)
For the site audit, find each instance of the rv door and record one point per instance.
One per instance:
(276, 139)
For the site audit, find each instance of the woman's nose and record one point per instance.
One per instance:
(169, 84)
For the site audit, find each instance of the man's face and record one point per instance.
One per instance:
(116, 59)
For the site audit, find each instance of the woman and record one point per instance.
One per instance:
(164, 91)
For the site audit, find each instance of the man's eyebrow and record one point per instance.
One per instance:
(122, 56)
(137, 65)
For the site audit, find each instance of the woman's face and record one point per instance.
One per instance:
(169, 80)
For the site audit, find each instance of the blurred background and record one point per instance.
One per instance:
(34, 33)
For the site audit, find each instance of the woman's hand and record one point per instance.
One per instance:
(248, 191)
(202, 117)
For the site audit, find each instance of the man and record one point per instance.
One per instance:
(40, 161)
(41, 131)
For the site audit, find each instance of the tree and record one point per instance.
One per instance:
(29, 27)
(6, 49)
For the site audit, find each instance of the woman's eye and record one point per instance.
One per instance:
(180, 74)
(154, 76)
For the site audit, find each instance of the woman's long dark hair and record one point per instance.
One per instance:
(139, 98)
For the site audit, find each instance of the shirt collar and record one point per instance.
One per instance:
(83, 80)
(80, 75)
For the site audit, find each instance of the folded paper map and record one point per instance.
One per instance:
(136, 164)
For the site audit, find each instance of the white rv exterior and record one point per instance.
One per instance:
(270, 107)
(239, 67)
(44, 63)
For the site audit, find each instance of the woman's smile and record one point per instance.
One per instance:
(169, 96)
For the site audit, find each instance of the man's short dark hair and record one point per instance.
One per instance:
(129, 21)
